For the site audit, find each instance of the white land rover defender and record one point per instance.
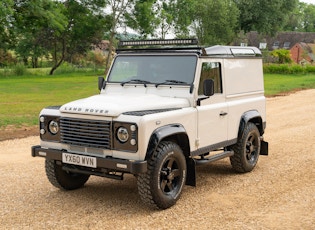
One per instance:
(160, 111)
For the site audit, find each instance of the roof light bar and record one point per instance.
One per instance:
(189, 41)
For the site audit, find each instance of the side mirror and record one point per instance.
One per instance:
(208, 87)
(101, 81)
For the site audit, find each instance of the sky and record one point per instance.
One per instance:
(308, 1)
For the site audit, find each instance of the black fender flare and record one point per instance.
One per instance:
(163, 132)
(254, 117)
(177, 133)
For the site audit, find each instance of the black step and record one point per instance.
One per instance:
(215, 157)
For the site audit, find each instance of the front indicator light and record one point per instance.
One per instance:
(42, 119)
(133, 128)
(133, 142)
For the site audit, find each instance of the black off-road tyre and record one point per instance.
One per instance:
(246, 150)
(63, 179)
(162, 184)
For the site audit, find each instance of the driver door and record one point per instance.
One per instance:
(212, 112)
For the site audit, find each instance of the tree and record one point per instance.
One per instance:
(6, 11)
(174, 16)
(34, 22)
(184, 14)
(161, 18)
(117, 10)
(57, 28)
(84, 27)
(215, 21)
(164, 17)
(142, 18)
(294, 19)
(308, 21)
(302, 18)
(264, 16)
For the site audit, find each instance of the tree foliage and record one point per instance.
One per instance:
(308, 18)
(215, 21)
(6, 11)
(264, 16)
(184, 13)
(142, 18)
(301, 18)
(35, 22)
(62, 30)
(83, 28)
(160, 19)
(115, 18)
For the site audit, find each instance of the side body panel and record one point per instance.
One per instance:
(244, 90)
(220, 115)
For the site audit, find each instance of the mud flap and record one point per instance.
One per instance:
(191, 172)
(264, 148)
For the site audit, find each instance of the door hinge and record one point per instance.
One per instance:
(197, 142)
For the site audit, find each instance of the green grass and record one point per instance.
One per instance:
(22, 98)
(276, 84)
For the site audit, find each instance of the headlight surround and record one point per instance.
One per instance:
(49, 128)
(125, 136)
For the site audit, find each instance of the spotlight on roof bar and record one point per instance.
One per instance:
(189, 41)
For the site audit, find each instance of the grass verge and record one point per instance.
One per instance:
(279, 84)
(22, 98)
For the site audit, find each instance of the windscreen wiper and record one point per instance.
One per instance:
(136, 81)
(176, 82)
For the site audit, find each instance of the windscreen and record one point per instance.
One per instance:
(153, 69)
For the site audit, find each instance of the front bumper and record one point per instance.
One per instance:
(109, 164)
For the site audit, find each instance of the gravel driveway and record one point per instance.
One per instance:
(278, 194)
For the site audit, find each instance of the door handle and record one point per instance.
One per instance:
(223, 113)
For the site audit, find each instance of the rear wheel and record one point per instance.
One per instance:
(162, 184)
(63, 179)
(247, 149)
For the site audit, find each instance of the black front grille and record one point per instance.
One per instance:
(88, 133)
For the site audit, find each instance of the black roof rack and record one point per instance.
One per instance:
(160, 45)
(159, 42)
(189, 45)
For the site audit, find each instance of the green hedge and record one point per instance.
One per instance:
(288, 69)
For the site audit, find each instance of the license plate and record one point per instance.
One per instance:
(79, 160)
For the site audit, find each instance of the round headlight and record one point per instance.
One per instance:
(53, 127)
(122, 134)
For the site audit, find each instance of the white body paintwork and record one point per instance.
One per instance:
(243, 90)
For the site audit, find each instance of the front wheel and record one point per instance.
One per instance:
(162, 184)
(246, 150)
(63, 179)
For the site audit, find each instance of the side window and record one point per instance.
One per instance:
(211, 70)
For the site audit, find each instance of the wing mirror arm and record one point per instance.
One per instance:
(101, 83)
